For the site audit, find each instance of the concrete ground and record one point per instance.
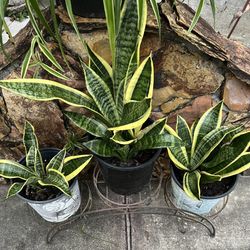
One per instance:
(225, 11)
(21, 229)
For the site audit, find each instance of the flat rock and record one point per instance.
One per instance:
(238, 118)
(94, 39)
(163, 95)
(75, 130)
(173, 104)
(45, 116)
(4, 128)
(192, 112)
(98, 41)
(11, 153)
(187, 74)
(236, 94)
(16, 2)
(74, 74)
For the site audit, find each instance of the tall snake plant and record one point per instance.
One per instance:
(57, 173)
(212, 152)
(120, 97)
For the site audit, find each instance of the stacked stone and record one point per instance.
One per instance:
(187, 83)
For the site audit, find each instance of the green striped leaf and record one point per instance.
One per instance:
(31, 158)
(10, 169)
(171, 131)
(225, 154)
(134, 115)
(36, 9)
(57, 161)
(126, 42)
(209, 121)
(56, 179)
(154, 129)
(184, 133)
(207, 177)
(157, 14)
(193, 128)
(100, 92)
(91, 125)
(207, 145)
(142, 83)
(163, 140)
(53, 71)
(57, 31)
(33, 20)
(142, 20)
(30, 140)
(102, 147)
(3, 5)
(73, 165)
(17, 187)
(45, 90)
(25, 63)
(229, 152)
(123, 138)
(39, 166)
(179, 157)
(197, 15)
(120, 98)
(123, 153)
(239, 165)
(100, 66)
(73, 21)
(213, 8)
(29, 137)
(228, 138)
(111, 20)
(191, 184)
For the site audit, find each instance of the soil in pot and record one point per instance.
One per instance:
(41, 193)
(142, 157)
(217, 188)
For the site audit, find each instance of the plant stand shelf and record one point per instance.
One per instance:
(138, 204)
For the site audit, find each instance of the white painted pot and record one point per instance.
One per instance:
(183, 201)
(202, 206)
(60, 208)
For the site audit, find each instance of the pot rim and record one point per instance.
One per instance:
(50, 200)
(155, 156)
(236, 178)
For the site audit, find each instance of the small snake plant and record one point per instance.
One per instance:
(212, 152)
(119, 97)
(57, 173)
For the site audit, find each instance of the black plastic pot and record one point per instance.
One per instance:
(127, 180)
(87, 8)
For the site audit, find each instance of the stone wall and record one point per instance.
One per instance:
(187, 83)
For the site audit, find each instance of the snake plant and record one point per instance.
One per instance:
(119, 97)
(56, 173)
(212, 152)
